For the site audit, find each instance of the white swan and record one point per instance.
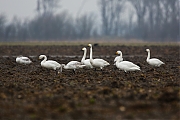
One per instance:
(86, 61)
(23, 60)
(126, 65)
(153, 61)
(50, 64)
(73, 65)
(97, 63)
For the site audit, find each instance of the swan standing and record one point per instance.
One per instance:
(153, 61)
(23, 60)
(125, 65)
(50, 64)
(73, 65)
(97, 63)
(86, 61)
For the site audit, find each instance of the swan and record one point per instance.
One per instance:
(23, 60)
(153, 61)
(97, 63)
(87, 61)
(73, 65)
(50, 64)
(125, 65)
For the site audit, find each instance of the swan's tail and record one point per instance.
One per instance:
(135, 68)
(106, 64)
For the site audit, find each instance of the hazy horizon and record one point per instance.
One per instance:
(26, 9)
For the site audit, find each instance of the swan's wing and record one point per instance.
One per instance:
(129, 64)
(79, 65)
(75, 65)
(101, 61)
(25, 59)
(155, 61)
(72, 63)
(53, 63)
(134, 69)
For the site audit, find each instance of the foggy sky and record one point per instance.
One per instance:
(26, 8)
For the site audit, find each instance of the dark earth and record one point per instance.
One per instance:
(32, 92)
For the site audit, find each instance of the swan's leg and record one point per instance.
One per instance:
(74, 72)
(59, 70)
(56, 72)
(101, 68)
(125, 73)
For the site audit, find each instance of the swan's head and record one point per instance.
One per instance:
(147, 50)
(118, 52)
(41, 56)
(89, 45)
(83, 48)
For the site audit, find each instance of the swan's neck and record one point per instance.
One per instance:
(84, 56)
(120, 55)
(44, 60)
(91, 59)
(119, 59)
(148, 57)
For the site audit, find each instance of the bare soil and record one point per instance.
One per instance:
(32, 92)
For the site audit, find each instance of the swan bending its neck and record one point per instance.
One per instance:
(44, 60)
(50, 64)
(73, 65)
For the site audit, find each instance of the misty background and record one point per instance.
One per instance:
(148, 20)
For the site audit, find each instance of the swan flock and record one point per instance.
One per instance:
(91, 62)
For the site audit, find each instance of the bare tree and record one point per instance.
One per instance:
(85, 26)
(171, 18)
(110, 14)
(47, 6)
(2, 26)
(140, 8)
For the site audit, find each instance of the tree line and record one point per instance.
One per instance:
(149, 20)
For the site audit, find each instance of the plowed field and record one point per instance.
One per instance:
(32, 92)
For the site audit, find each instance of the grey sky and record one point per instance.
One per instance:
(26, 8)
